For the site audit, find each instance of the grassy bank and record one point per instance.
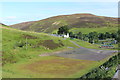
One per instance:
(21, 58)
(48, 67)
(88, 30)
(18, 45)
(99, 30)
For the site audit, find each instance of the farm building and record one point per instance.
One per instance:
(106, 46)
(66, 36)
(114, 42)
(107, 42)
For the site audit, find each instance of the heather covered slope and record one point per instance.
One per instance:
(73, 21)
(18, 45)
(21, 58)
(21, 49)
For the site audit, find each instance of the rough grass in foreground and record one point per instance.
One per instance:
(49, 67)
(16, 56)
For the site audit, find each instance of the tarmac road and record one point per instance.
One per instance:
(83, 53)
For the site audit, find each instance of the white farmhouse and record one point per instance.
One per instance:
(66, 36)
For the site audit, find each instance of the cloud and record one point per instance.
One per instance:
(8, 19)
(11, 17)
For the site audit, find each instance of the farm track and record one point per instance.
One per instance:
(49, 54)
(80, 47)
(82, 53)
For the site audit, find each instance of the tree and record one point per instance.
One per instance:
(85, 37)
(63, 30)
(93, 37)
(118, 36)
(71, 34)
(107, 35)
(96, 40)
(79, 35)
(101, 36)
(114, 35)
(90, 40)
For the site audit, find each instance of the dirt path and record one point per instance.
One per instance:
(76, 44)
(99, 50)
(80, 50)
(57, 52)
(49, 54)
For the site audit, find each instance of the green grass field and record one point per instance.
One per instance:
(48, 67)
(88, 30)
(15, 44)
(86, 44)
(0, 53)
(21, 58)
(99, 30)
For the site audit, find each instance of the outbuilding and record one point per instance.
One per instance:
(106, 46)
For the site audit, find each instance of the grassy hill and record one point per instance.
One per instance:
(99, 30)
(21, 50)
(73, 21)
(88, 30)
(19, 44)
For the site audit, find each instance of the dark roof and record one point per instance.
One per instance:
(107, 45)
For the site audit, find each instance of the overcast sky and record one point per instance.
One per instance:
(16, 12)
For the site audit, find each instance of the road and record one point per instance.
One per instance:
(83, 53)
(117, 75)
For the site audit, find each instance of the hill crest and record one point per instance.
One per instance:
(73, 21)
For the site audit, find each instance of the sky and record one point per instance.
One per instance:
(59, 0)
(17, 12)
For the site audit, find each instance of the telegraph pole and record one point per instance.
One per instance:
(26, 43)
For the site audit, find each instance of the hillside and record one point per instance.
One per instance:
(21, 48)
(17, 44)
(73, 21)
(21, 58)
